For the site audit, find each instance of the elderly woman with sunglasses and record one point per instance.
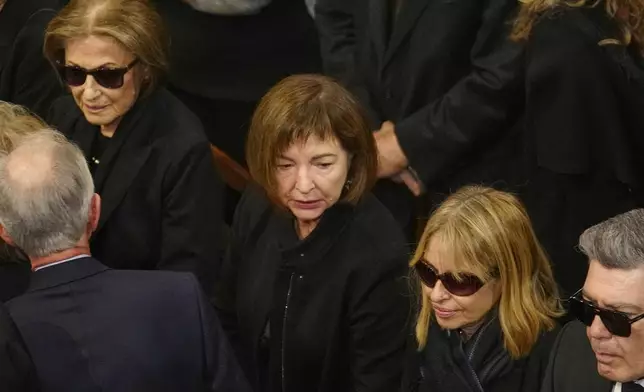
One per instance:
(489, 302)
(148, 154)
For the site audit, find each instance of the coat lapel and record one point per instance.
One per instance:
(409, 14)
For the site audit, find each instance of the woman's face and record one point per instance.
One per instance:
(103, 106)
(311, 176)
(454, 312)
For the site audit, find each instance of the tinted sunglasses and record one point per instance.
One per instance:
(617, 323)
(111, 78)
(465, 285)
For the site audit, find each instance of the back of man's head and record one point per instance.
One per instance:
(15, 123)
(46, 192)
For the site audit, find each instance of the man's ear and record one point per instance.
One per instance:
(94, 213)
(5, 236)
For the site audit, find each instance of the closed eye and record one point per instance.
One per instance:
(324, 165)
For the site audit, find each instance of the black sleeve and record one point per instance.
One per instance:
(17, 372)
(192, 222)
(379, 316)
(337, 31)
(475, 108)
(29, 79)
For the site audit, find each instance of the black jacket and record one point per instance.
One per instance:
(17, 372)
(481, 364)
(161, 196)
(26, 77)
(584, 137)
(324, 314)
(90, 328)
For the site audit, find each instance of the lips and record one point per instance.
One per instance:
(443, 313)
(94, 108)
(307, 205)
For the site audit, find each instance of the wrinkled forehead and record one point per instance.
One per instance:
(609, 287)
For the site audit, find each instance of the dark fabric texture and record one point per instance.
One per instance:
(90, 328)
(632, 387)
(447, 76)
(584, 140)
(326, 314)
(26, 77)
(161, 195)
(572, 365)
(238, 58)
(448, 364)
(17, 371)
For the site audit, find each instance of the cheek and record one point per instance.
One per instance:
(476, 306)
(331, 183)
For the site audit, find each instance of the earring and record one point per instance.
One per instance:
(347, 184)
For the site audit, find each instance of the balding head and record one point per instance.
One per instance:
(46, 191)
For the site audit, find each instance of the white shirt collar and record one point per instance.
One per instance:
(60, 262)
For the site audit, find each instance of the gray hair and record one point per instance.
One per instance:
(617, 242)
(45, 193)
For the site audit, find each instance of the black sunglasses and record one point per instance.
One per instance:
(465, 285)
(111, 78)
(617, 323)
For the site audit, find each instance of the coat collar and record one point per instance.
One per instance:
(67, 272)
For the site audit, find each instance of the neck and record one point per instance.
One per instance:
(37, 262)
(109, 129)
(469, 330)
(305, 228)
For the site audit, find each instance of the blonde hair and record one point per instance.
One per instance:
(489, 231)
(16, 122)
(629, 15)
(134, 24)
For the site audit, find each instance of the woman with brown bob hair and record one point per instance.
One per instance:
(148, 154)
(584, 98)
(489, 300)
(314, 283)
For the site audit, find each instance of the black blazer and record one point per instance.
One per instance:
(26, 77)
(161, 195)
(239, 57)
(447, 76)
(584, 139)
(17, 372)
(573, 366)
(90, 328)
(325, 314)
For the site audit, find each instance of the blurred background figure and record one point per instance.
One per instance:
(584, 143)
(489, 301)
(25, 75)
(222, 64)
(314, 288)
(148, 154)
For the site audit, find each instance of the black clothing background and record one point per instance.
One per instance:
(584, 123)
(26, 77)
(161, 195)
(17, 372)
(336, 303)
(447, 76)
(446, 364)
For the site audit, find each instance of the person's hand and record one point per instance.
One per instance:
(391, 158)
(407, 178)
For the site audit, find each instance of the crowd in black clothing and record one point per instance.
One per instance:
(509, 132)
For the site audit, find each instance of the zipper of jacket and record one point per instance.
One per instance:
(471, 355)
(288, 297)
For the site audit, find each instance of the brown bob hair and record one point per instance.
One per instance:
(302, 106)
(134, 24)
(488, 230)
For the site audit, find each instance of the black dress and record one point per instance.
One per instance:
(584, 139)
(161, 195)
(327, 313)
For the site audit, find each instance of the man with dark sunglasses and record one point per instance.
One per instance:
(610, 310)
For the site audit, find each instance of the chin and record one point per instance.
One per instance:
(611, 373)
(97, 119)
(307, 215)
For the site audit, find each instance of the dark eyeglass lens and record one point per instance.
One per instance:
(109, 78)
(74, 76)
(616, 323)
(426, 274)
(468, 285)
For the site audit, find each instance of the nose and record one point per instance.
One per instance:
(439, 294)
(597, 329)
(91, 89)
(304, 182)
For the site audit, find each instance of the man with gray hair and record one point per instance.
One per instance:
(86, 326)
(610, 310)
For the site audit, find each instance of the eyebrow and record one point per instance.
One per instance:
(110, 64)
(321, 156)
(620, 307)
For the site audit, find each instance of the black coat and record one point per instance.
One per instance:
(324, 314)
(584, 139)
(573, 366)
(161, 196)
(447, 76)
(482, 364)
(90, 328)
(17, 372)
(26, 77)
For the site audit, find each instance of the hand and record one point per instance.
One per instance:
(391, 158)
(405, 177)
